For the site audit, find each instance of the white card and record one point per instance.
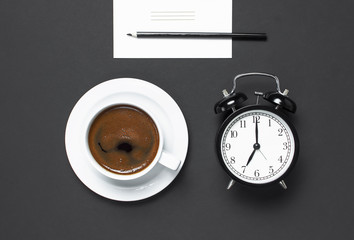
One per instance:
(130, 16)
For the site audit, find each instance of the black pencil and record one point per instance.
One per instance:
(238, 36)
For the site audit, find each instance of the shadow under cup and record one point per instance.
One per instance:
(124, 140)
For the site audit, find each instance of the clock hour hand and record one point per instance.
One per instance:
(250, 158)
(256, 147)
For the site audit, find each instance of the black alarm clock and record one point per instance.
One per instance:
(257, 144)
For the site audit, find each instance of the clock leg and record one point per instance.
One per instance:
(231, 183)
(282, 184)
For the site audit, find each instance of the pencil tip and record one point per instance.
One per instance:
(132, 34)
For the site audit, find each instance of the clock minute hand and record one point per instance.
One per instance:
(256, 131)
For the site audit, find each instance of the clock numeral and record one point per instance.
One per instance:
(232, 160)
(243, 124)
(271, 170)
(256, 173)
(234, 134)
(280, 159)
(270, 123)
(256, 119)
(227, 146)
(280, 132)
(285, 146)
(243, 169)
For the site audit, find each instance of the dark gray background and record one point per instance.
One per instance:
(52, 52)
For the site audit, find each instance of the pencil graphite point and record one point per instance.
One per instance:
(132, 34)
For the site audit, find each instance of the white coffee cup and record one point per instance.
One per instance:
(162, 156)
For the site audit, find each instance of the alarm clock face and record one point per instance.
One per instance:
(256, 145)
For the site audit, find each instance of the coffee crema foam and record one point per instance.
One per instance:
(123, 139)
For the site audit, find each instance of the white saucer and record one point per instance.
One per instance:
(172, 123)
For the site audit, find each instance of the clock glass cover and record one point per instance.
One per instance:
(256, 145)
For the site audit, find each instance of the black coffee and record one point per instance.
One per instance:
(123, 139)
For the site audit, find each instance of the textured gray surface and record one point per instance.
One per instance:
(52, 52)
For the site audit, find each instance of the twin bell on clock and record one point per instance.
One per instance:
(257, 144)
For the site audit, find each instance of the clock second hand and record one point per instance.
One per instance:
(262, 154)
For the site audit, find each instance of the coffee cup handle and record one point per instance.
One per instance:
(169, 161)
